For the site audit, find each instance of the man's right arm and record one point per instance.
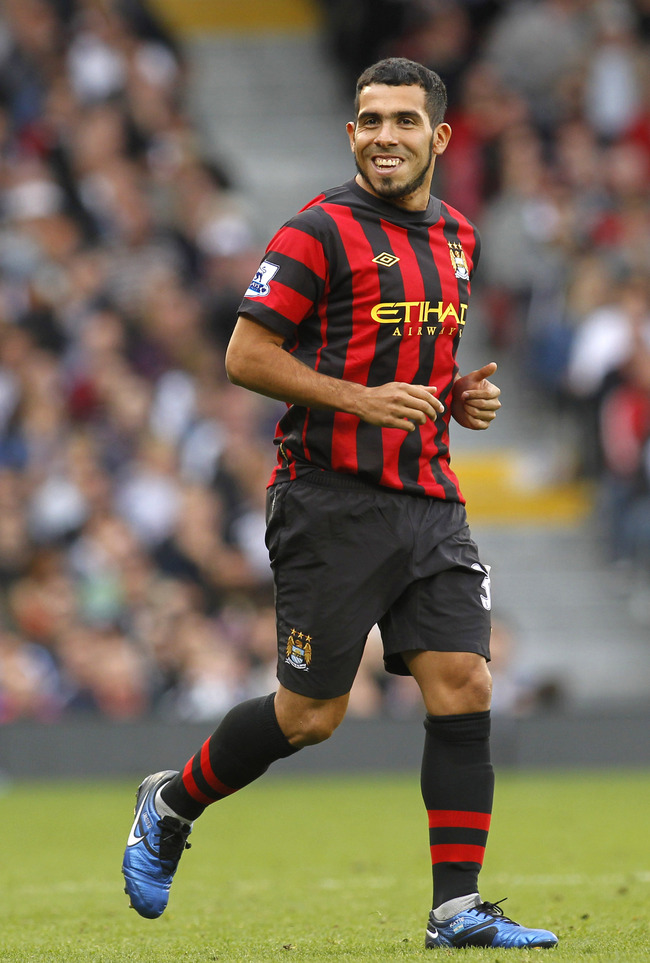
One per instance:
(256, 360)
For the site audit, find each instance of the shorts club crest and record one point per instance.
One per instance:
(299, 650)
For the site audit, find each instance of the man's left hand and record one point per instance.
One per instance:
(475, 400)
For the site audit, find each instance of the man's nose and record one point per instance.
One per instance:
(386, 133)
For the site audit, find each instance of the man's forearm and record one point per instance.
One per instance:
(256, 360)
(261, 364)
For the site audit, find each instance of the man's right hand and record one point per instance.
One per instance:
(399, 405)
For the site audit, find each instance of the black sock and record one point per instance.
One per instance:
(457, 788)
(246, 742)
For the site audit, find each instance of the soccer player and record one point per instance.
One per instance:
(354, 319)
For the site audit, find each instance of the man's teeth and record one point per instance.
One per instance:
(387, 161)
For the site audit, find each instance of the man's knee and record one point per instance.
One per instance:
(306, 722)
(476, 682)
(311, 727)
(452, 682)
(470, 672)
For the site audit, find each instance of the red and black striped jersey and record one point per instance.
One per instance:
(365, 291)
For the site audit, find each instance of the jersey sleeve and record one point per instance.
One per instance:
(290, 281)
(476, 253)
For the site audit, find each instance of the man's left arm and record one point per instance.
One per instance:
(475, 400)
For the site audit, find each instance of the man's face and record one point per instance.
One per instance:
(394, 145)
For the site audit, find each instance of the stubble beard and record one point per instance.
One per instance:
(388, 190)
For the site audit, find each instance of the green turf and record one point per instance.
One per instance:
(324, 869)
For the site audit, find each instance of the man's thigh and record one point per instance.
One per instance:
(447, 609)
(337, 565)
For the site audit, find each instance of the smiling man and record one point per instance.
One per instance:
(398, 133)
(354, 319)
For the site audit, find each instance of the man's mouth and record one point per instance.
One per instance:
(382, 163)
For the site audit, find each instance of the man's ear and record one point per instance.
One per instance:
(351, 127)
(441, 138)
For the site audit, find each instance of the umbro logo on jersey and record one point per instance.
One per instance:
(385, 259)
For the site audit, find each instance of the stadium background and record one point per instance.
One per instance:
(148, 151)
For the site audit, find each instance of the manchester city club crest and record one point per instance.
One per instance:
(298, 650)
(458, 261)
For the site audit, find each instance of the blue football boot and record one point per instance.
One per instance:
(485, 925)
(153, 849)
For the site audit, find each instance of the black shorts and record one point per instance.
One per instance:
(346, 556)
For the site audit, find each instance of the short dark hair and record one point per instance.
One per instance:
(401, 72)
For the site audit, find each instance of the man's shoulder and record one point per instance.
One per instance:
(341, 195)
(452, 214)
(315, 219)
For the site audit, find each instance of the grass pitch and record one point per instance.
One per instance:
(324, 869)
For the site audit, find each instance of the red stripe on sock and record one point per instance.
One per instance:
(213, 781)
(457, 853)
(190, 785)
(458, 818)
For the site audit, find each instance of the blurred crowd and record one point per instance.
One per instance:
(133, 573)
